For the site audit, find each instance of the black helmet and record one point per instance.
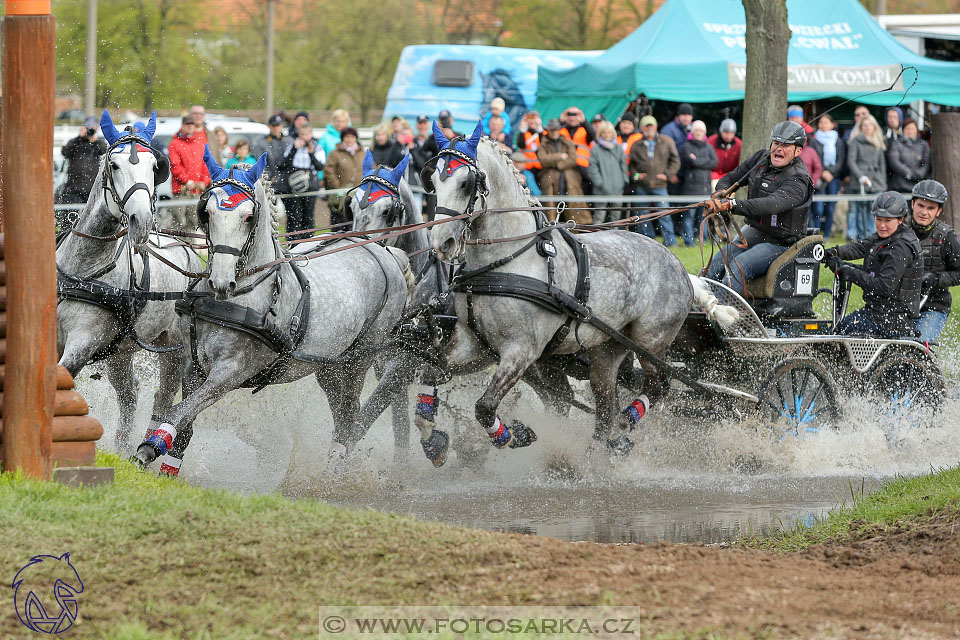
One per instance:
(889, 204)
(789, 133)
(930, 190)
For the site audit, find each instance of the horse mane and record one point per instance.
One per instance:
(272, 203)
(505, 157)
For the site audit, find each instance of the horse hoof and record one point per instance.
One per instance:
(621, 446)
(146, 453)
(435, 447)
(521, 435)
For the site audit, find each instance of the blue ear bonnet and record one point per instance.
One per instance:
(142, 132)
(228, 196)
(467, 146)
(381, 181)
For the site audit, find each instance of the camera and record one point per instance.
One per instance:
(91, 132)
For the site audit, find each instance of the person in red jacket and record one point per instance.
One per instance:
(727, 146)
(188, 173)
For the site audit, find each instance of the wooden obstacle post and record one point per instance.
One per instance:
(945, 159)
(29, 385)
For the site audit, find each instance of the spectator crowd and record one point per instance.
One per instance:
(567, 156)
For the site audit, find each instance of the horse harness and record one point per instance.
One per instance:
(125, 304)
(486, 281)
(200, 305)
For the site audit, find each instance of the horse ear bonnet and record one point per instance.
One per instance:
(161, 173)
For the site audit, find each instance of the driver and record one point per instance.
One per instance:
(941, 257)
(776, 209)
(890, 275)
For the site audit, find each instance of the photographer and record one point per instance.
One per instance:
(84, 153)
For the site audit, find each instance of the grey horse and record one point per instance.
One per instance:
(283, 321)
(96, 260)
(383, 200)
(636, 286)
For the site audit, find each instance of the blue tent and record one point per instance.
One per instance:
(695, 51)
(422, 86)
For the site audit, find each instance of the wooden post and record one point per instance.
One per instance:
(945, 159)
(28, 94)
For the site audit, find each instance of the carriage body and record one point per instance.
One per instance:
(787, 363)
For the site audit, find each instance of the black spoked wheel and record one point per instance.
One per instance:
(908, 384)
(799, 396)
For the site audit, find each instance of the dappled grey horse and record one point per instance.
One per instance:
(266, 317)
(529, 288)
(109, 305)
(383, 200)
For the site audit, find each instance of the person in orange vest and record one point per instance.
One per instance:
(576, 128)
(627, 132)
(529, 139)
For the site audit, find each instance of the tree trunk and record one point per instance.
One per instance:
(765, 97)
(945, 158)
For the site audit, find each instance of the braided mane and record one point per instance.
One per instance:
(531, 201)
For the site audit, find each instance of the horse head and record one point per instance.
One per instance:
(131, 172)
(458, 182)
(229, 212)
(376, 202)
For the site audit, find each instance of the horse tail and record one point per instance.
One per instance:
(704, 298)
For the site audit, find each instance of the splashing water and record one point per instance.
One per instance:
(708, 480)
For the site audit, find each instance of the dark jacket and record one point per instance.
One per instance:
(419, 155)
(696, 180)
(778, 200)
(286, 167)
(864, 159)
(890, 277)
(274, 148)
(387, 155)
(665, 160)
(908, 161)
(839, 165)
(941, 255)
(84, 157)
(676, 132)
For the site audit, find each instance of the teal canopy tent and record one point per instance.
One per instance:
(695, 51)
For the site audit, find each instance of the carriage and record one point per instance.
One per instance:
(785, 362)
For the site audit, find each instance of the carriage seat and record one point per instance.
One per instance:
(780, 277)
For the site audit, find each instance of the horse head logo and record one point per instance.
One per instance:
(32, 588)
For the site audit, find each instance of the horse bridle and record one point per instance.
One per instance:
(204, 220)
(110, 187)
(477, 179)
(397, 208)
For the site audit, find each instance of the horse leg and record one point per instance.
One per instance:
(604, 363)
(223, 377)
(170, 367)
(399, 416)
(342, 386)
(513, 364)
(127, 386)
(394, 380)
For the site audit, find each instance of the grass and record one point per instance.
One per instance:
(900, 502)
(160, 558)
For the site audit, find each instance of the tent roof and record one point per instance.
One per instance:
(695, 51)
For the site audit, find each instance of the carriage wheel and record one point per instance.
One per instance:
(801, 395)
(909, 384)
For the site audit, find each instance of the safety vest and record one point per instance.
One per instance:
(633, 137)
(579, 139)
(531, 143)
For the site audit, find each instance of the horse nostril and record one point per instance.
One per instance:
(448, 246)
(232, 287)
